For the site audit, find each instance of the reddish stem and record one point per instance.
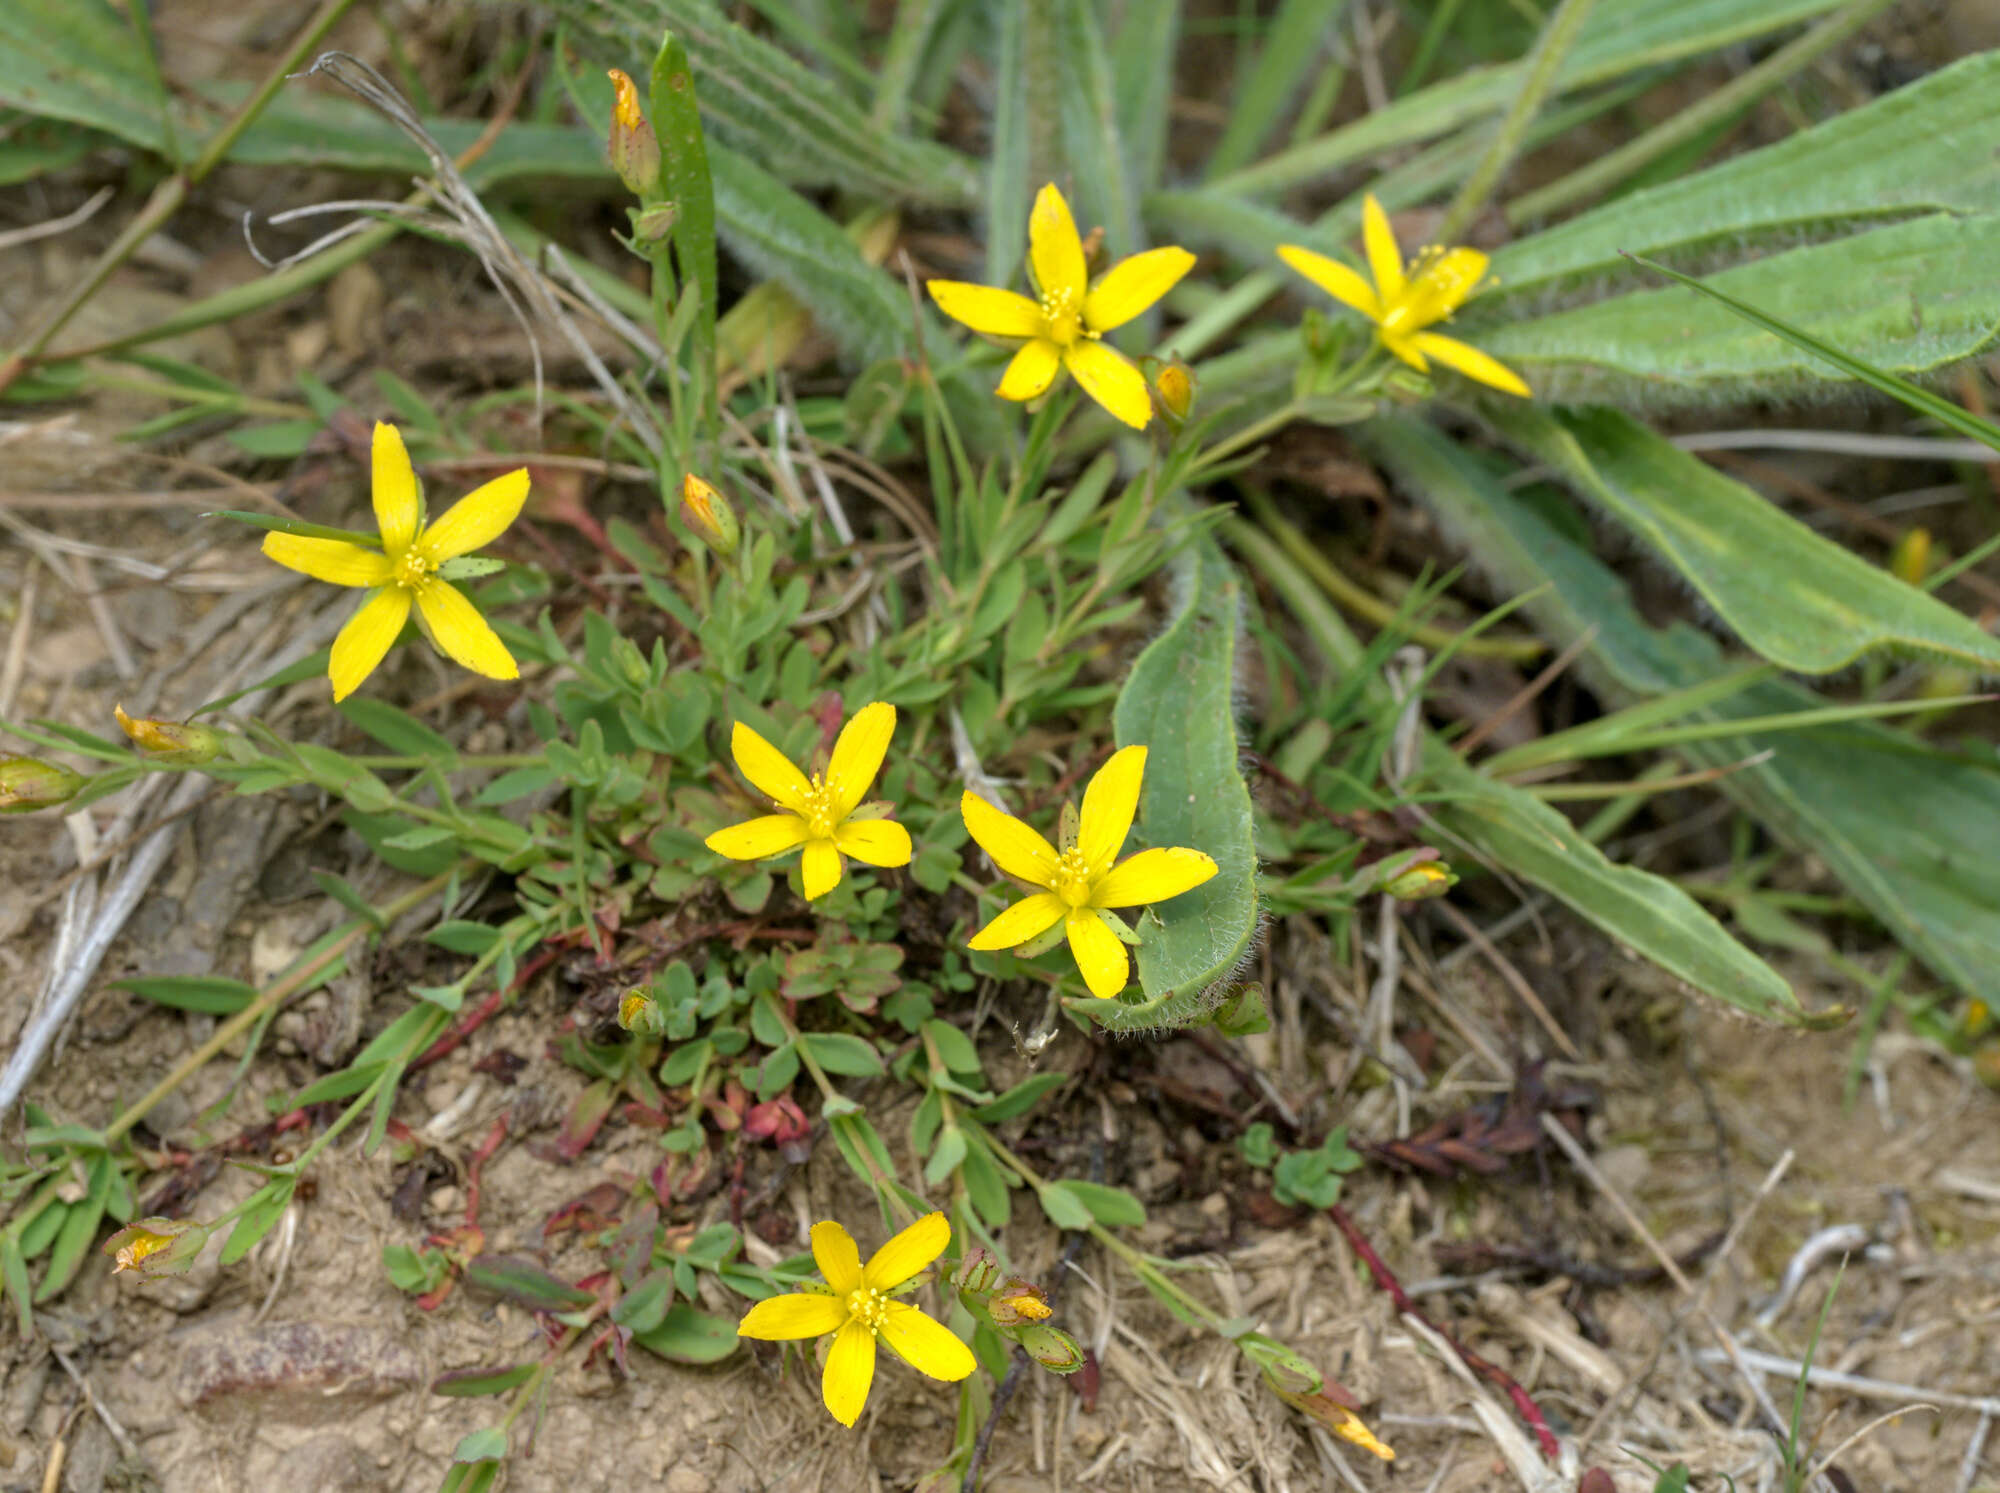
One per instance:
(478, 1015)
(1385, 1279)
(479, 1159)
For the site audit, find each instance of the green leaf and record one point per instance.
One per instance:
(689, 1336)
(277, 438)
(266, 1206)
(525, 1283)
(1066, 1210)
(761, 101)
(687, 183)
(953, 1046)
(211, 993)
(644, 1307)
(1179, 701)
(1293, 46)
(1800, 600)
(1020, 1099)
(398, 730)
(14, 1276)
(1877, 162)
(1908, 829)
(1621, 37)
(78, 60)
(470, 1383)
(1142, 63)
(1911, 297)
(1113, 1207)
(1100, 177)
(78, 1231)
(843, 1053)
(486, 1445)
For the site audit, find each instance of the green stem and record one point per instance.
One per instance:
(168, 197)
(1709, 110)
(1551, 51)
(269, 997)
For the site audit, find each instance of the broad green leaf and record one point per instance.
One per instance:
(398, 730)
(78, 60)
(1885, 160)
(1910, 830)
(688, 183)
(842, 1052)
(760, 101)
(1111, 1206)
(1512, 828)
(1065, 1209)
(14, 1276)
(689, 1336)
(1911, 297)
(78, 1231)
(31, 147)
(1179, 701)
(1798, 599)
(1621, 37)
(487, 1445)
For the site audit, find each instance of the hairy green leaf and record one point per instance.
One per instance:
(1798, 599)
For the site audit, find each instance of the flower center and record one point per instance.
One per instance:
(413, 567)
(1072, 879)
(868, 1306)
(1062, 318)
(822, 811)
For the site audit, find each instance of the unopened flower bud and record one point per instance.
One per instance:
(1052, 1348)
(708, 513)
(634, 1009)
(1176, 386)
(651, 224)
(1423, 880)
(27, 785)
(1018, 1301)
(153, 1247)
(1910, 561)
(635, 150)
(170, 741)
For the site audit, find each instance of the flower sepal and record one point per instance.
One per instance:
(470, 567)
(27, 784)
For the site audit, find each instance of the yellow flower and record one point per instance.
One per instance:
(1063, 326)
(635, 149)
(406, 569)
(857, 1308)
(1077, 887)
(819, 814)
(1401, 305)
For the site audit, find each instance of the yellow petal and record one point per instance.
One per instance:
(1111, 381)
(1132, 285)
(335, 561)
(1031, 371)
(1335, 278)
(850, 1369)
(997, 313)
(1099, 954)
(878, 842)
(1015, 847)
(1385, 260)
(800, 1314)
(397, 510)
(1404, 346)
(1053, 247)
(478, 518)
(1471, 362)
(461, 633)
(838, 1257)
(907, 1253)
(928, 1347)
(366, 639)
(1031, 917)
(754, 839)
(1108, 806)
(819, 869)
(857, 755)
(769, 770)
(1443, 285)
(1152, 876)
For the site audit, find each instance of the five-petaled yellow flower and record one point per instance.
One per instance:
(1063, 326)
(857, 1308)
(1079, 885)
(818, 813)
(405, 569)
(1401, 304)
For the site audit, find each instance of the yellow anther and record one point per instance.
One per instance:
(867, 1307)
(1061, 321)
(412, 566)
(1072, 879)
